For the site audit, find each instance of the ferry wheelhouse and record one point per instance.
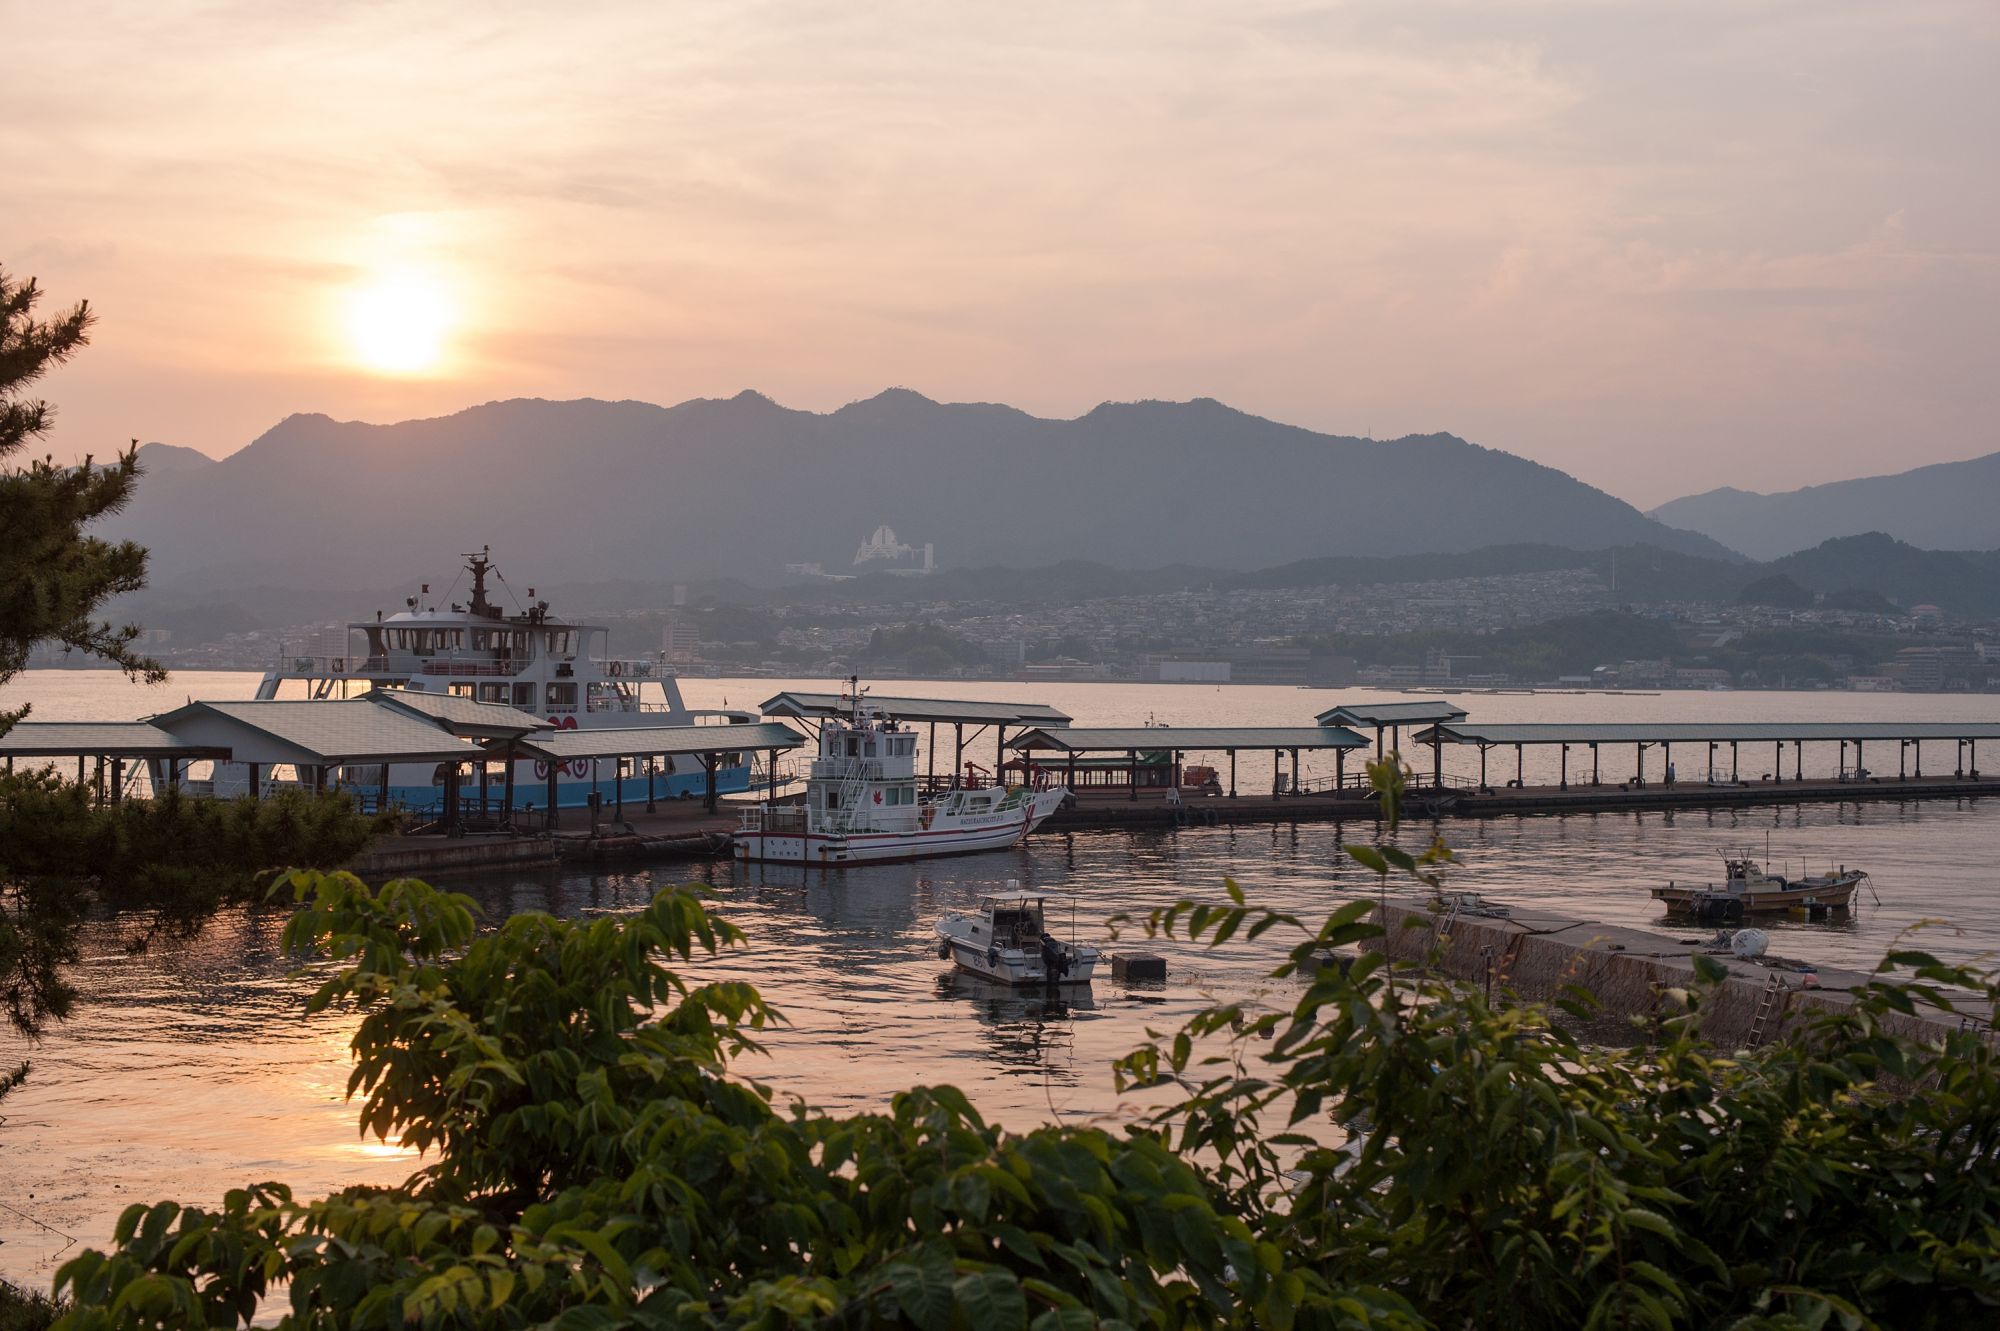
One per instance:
(864, 804)
(530, 660)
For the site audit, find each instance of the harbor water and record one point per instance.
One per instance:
(188, 1068)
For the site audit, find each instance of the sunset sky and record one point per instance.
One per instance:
(1664, 247)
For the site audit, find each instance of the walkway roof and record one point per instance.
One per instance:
(461, 716)
(93, 739)
(1698, 732)
(653, 741)
(918, 709)
(1198, 738)
(314, 733)
(1373, 714)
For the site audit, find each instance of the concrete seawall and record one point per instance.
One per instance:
(1537, 955)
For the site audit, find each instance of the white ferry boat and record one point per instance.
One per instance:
(530, 660)
(863, 804)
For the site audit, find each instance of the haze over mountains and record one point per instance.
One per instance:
(585, 490)
(1948, 506)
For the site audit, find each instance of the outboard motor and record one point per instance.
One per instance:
(1055, 961)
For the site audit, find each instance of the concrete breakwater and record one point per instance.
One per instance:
(1537, 954)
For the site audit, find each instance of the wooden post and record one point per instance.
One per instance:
(1594, 770)
(1667, 772)
(1920, 758)
(1482, 766)
(1295, 772)
(1902, 760)
(957, 752)
(1861, 763)
(1778, 760)
(1798, 760)
(1232, 774)
(1641, 747)
(1520, 767)
(1734, 766)
(1563, 783)
(1339, 769)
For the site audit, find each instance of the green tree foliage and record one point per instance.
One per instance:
(1397, 1155)
(53, 577)
(594, 1165)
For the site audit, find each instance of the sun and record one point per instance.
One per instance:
(397, 322)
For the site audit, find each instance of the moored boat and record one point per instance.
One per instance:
(1748, 889)
(1006, 940)
(530, 660)
(863, 804)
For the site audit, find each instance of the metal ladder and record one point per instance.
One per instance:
(1770, 1002)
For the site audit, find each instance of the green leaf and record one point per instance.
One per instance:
(992, 1301)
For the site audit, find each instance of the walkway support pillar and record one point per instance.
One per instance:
(1520, 767)
(555, 770)
(958, 751)
(1920, 758)
(1295, 771)
(1798, 760)
(1902, 760)
(1482, 767)
(1132, 775)
(1733, 766)
(1563, 782)
(507, 785)
(1232, 774)
(1594, 777)
(618, 789)
(709, 761)
(117, 780)
(652, 799)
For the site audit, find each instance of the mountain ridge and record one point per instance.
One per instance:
(1939, 506)
(716, 485)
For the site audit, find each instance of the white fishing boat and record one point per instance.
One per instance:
(864, 804)
(1007, 941)
(529, 659)
(1748, 889)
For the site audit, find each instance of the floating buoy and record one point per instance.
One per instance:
(1749, 943)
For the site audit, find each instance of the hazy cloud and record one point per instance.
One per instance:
(1661, 246)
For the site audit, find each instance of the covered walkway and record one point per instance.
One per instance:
(113, 744)
(714, 747)
(1908, 736)
(1181, 740)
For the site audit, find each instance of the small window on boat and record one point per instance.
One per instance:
(493, 693)
(524, 695)
(562, 695)
(459, 690)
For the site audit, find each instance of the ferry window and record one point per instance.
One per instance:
(559, 644)
(459, 690)
(562, 695)
(833, 799)
(869, 749)
(524, 695)
(493, 693)
(852, 744)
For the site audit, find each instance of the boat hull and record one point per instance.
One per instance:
(832, 849)
(1692, 900)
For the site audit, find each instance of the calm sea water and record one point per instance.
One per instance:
(188, 1069)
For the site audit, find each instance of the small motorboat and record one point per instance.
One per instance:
(1747, 889)
(1006, 940)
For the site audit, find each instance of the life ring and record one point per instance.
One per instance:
(339, 665)
(615, 668)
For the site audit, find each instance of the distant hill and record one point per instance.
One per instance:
(1949, 506)
(166, 459)
(585, 491)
